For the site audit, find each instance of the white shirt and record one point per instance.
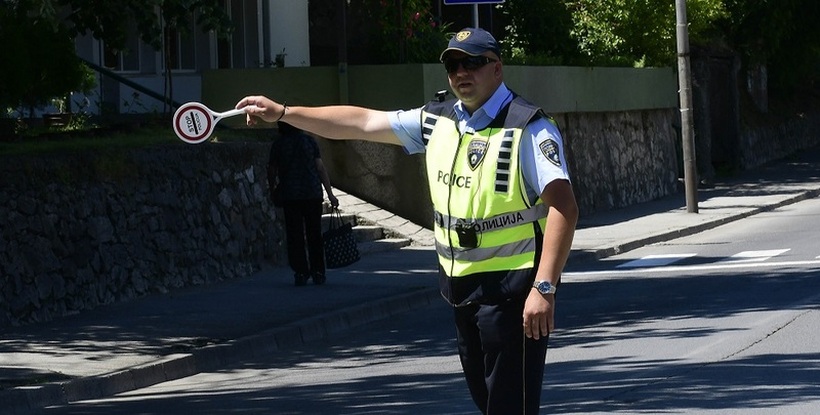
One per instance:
(541, 152)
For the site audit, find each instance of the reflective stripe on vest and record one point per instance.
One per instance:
(526, 246)
(502, 221)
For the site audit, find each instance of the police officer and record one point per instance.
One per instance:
(505, 212)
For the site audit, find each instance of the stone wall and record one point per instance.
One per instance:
(81, 230)
(619, 159)
(616, 159)
(761, 144)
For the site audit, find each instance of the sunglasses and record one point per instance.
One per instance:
(469, 63)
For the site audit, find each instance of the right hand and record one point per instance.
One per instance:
(539, 314)
(260, 107)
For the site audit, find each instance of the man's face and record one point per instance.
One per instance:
(473, 85)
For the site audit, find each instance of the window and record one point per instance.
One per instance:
(181, 47)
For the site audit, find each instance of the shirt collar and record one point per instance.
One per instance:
(482, 117)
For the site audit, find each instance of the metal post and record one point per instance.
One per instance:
(475, 15)
(344, 90)
(687, 120)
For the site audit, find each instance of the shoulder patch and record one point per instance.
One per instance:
(550, 150)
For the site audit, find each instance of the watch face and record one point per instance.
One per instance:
(544, 287)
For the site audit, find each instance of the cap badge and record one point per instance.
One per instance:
(463, 35)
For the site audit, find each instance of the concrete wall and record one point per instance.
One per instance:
(388, 87)
(618, 123)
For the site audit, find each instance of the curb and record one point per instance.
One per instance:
(626, 246)
(23, 399)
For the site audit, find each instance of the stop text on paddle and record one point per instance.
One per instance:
(194, 122)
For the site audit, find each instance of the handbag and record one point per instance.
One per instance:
(340, 245)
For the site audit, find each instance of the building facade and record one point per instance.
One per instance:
(267, 34)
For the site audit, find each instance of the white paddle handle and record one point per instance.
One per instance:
(230, 113)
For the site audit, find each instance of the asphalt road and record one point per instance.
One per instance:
(725, 321)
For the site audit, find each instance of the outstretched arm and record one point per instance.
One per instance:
(341, 122)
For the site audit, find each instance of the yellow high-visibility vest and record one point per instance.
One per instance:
(483, 219)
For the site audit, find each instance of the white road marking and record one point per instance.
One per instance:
(655, 260)
(754, 256)
(692, 268)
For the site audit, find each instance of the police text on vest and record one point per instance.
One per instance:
(455, 180)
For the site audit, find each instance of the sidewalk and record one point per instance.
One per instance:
(162, 337)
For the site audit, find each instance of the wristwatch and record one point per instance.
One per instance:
(544, 287)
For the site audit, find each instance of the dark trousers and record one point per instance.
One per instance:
(303, 231)
(503, 368)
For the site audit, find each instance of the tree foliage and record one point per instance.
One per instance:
(105, 19)
(40, 34)
(782, 34)
(537, 33)
(637, 32)
(401, 31)
(39, 61)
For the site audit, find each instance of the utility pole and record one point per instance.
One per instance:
(687, 120)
